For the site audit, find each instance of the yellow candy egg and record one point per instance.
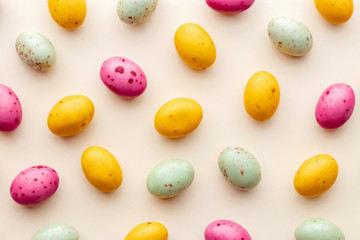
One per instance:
(101, 169)
(148, 231)
(316, 175)
(178, 117)
(261, 96)
(194, 46)
(335, 11)
(69, 14)
(70, 115)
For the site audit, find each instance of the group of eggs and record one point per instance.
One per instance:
(176, 118)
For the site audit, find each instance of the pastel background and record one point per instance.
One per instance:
(270, 211)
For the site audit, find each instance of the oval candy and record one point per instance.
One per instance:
(170, 178)
(290, 36)
(239, 167)
(10, 109)
(34, 185)
(123, 76)
(318, 229)
(195, 46)
(35, 50)
(70, 115)
(101, 169)
(335, 11)
(335, 106)
(148, 231)
(316, 175)
(133, 12)
(262, 96)
(68, 14)
(226, 230)
(178, 117)
(56, 231)
(229, 6)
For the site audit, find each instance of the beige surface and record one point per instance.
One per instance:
(271, 211)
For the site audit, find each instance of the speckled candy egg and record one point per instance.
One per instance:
(101, 169)
(239, 167)
(316, 175)
(56, 231)
(34, 185)
(290, 36)
(135, 11)
(123, 76)
(230, 6)
(226, 230)
(170, 178)
(335, 11)
(148, 231)
(35, 50)
(318, 229)
(69, 14)
(335, 106)
(70, 115)
(10, 109)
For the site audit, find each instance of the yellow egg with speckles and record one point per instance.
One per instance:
(148, 231)
(335, 11)
(316, 175)
(69, 14)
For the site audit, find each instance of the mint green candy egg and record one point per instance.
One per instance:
(318, 229)
(239, 167)
(170, 178)
(135, 11)
(56, 231)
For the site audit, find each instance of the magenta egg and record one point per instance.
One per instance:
(10, 109)
(226, 230)
(123, 76)
(34, 185)
(335, 106)
(229, 6)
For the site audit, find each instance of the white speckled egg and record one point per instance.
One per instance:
(290, 36)
(35, 50)
(135, 11)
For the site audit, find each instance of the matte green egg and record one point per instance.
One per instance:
(239, 167)
(318, 229)
(170, 178)
(56, 231)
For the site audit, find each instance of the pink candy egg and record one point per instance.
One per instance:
(34, 185)
(123, 77)
(335, 106)
(10, 109)
(226, 230)
(230, 6)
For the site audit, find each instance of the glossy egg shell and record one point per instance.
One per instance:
(69, 14)
(318, 229)
(56, 231)
(230, 6)
(10, 109)
(226, 230)
(148, 231)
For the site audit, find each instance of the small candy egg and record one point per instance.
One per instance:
(69, 14)
(229, 6)
(148, 231)
(123, 76)
(34, 185)
(290, 36)
(335, 106)
(35, 50)
(335, 11)
(10, 109)
(70, 115)
(194, 46)
(101, 169)
(135, 11)
(316, 175)
(261, 96)
(56, 231)
(239, 167)
(170, 178)
(178, 117)
(318, 229)
(226, 230)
